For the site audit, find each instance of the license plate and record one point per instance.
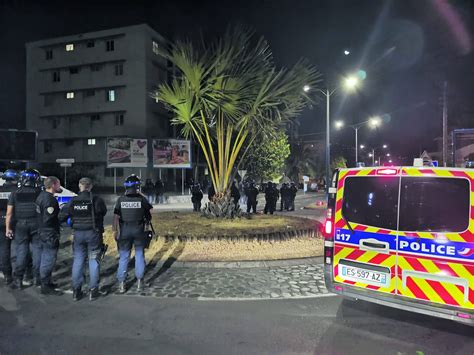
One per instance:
(368, 277)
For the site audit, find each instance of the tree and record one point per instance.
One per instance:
(338, 162)
(228, 92)
(303, 161)
(266, 158)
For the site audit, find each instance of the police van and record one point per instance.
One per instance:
(64, 197)
(403, 237)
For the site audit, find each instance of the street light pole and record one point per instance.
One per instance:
(356, 129)
(328, 142)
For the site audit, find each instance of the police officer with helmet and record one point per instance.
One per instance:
(86, 214)
(47, 246)
(131, 214)
(10, 185)
(22, 224)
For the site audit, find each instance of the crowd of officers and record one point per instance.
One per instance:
(286, 194)
(30, 216)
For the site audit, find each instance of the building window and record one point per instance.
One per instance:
(91, 141)
(49, 54)
(55, 122)
(155, 47)
(96, 67)
(118, 69)
(73, 70)
(48, 100)
(110, 45)
(69, 47)
(119, 119)
(56, 76)
(95, 117)
(69, 142)
(90, 44)
(47, 147)
(110, 95)
(70, 95)
(89, 93)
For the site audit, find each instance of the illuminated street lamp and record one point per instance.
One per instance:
(346, 52)
(339, 124)
(385, 146)
(349, 83)
(362, 146)
(388, 154)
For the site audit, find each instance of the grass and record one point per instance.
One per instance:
(192, 224)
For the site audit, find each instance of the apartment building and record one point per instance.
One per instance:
(84, 88)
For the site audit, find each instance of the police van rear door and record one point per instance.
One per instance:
(436, 237)
(365, 238)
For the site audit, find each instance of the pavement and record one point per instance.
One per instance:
(34, 324)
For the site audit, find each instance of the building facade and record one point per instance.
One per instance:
(84, 88)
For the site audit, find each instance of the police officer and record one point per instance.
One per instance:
(271, 198)
(86, 213)
(284, 196)
(131, 214)
(292, 195)
(46, 249)
(275, 196)
(10, 185)
(235, 194)
(196, 196)
(252, 193)
(22, 224)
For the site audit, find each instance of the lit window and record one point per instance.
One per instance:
(69, 47)
(91, 141)
(110, 95)
(70, 95)
(155, 47)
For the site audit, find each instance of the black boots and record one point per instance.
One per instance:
(48, 289)
(77, 294)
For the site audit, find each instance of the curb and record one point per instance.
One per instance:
(243, 264)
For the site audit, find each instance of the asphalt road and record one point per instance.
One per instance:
(33, 324)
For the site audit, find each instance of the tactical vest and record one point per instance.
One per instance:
(82, 216)
(131, 209)
(5, 192)
(25, 203)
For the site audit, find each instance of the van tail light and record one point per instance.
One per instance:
(328, 224)
(387, 171)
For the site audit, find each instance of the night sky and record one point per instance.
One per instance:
(407, 48)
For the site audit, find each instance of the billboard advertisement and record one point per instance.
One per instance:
(171, 153)
(17, 145)
(463, 144)
(127, 152)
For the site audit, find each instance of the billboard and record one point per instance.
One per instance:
(127, 152)
(17, 145)
(463, 146)
(171, 153)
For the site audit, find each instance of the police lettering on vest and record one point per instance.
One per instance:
(131, 209)
(82, 214)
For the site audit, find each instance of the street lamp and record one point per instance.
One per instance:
(385, 146)
(339, 124)
(349, 83)
(346, 52)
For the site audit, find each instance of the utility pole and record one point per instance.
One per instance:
(445, 124)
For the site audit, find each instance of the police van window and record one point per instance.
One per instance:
(429, 204)
(371, 201)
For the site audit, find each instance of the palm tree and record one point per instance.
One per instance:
(228, 92)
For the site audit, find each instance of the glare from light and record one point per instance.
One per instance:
(351, 82)
(374, 121)
(339, 124)
(388, 154)
(370, 155)
(346, 52)
(385, 146)
(390, 161)
(362, 146)
(306, 88)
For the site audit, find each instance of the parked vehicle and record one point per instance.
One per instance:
(403, 237)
